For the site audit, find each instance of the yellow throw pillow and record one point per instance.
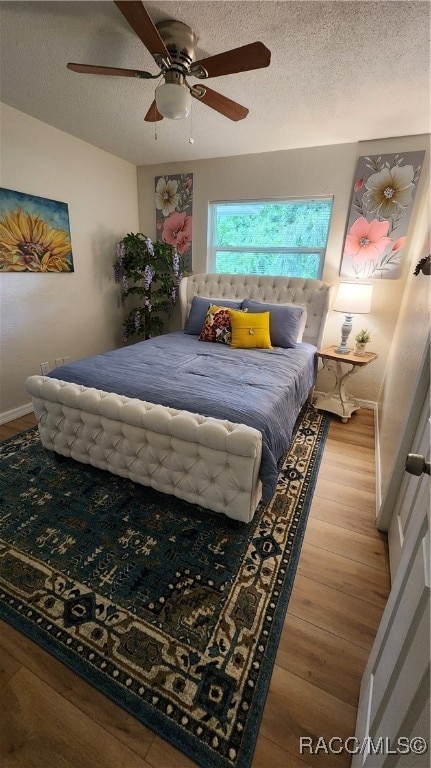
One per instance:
(250, 330)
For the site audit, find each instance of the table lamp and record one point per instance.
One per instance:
(352, 299)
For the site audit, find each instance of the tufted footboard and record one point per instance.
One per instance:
(200, 459)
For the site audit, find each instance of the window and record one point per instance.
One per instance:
(269, 237)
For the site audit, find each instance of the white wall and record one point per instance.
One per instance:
(46, 316)
(399, 389)
(294, 173)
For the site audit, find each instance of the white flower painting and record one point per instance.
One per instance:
(382, 200)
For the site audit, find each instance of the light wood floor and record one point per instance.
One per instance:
(50, 718)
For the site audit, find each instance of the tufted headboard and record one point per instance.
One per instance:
(276, 290)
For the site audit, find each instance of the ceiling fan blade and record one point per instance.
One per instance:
(153, 115)
(140, 21)
(222, 104)
(90, 69)
(252, 56)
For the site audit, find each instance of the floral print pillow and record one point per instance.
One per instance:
(217, 327)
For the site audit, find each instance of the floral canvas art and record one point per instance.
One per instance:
(174, 213)
(34, 234)
(382, 199)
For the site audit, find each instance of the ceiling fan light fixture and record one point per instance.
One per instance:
(173, 100)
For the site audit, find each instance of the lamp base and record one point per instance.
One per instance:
(342, 350)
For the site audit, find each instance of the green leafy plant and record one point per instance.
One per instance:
(363, 336)
(151, 272)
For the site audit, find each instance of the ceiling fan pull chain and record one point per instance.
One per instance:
(191, 139)
(156, 110)
(155, 121)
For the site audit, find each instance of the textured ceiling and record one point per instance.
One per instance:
(340, 72)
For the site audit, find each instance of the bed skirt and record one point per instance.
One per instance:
(203, 460)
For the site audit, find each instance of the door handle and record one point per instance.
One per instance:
(417, 464)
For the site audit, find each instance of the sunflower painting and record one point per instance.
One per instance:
(174, 213)
(34, 234)
(384, 188)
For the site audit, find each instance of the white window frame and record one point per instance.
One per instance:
(211, 248)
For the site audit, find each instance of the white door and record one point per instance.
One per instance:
(414, 492)
(394, 703)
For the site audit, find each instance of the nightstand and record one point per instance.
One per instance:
(338, 400)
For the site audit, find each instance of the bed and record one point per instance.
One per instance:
(196, 437)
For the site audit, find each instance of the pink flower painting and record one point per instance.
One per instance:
(177, 231)
(174, 213)
(383, 194)
(398, 244)
(367, 240)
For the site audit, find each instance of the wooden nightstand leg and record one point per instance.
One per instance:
(349, 404)
(338, 400)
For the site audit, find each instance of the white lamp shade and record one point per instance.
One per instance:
(353, 298)
(173, 100)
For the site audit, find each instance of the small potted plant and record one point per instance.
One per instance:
(362, 338)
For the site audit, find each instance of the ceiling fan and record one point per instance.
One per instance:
(172, 46)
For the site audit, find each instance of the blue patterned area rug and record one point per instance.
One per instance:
(172, 611)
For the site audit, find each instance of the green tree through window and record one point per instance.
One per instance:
(283, 237)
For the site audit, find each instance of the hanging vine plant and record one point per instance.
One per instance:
(151, 272)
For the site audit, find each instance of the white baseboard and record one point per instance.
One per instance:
(15, 413)
(378, 460)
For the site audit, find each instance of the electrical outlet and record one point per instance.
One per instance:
(44, 367)
(58, 361)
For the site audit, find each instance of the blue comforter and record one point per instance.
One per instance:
(262, 388)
